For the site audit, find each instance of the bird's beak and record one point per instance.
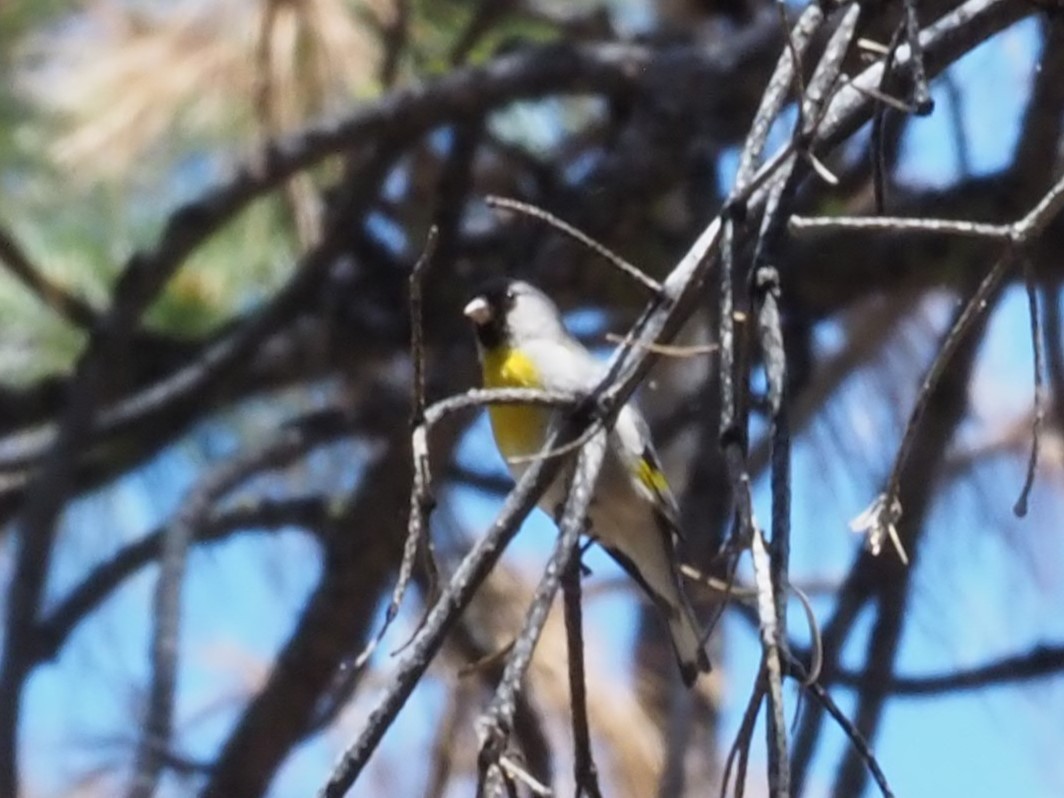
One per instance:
(478, 310)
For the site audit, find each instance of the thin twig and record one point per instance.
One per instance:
(1020, 508)
(68, 306)
(800, 225)
(626, 268)
(472, 570)
(422, 500)
(880, 519)
(417, 346)
(769, 619)
(497, 720)
(741, 746)
(665, 350)
(921, 102)
(771, 571)
(560, 451)
(584, 772)
(857, 740)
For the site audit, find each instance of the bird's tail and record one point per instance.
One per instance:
(687, 642)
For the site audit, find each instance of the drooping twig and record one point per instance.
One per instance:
(1020, 508)
(585, 774)
(775, 362)
(771, 572)
(857, 740)
(740, 750)
(417, 332)
(422, 501)
(497, 721)
(880, 519)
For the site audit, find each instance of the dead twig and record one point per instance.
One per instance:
(611, 257)
(497, 720)
(584, 772)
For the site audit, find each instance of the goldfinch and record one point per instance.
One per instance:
(522, 342)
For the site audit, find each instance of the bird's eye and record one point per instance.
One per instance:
(511, 295)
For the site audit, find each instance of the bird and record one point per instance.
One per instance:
(522, 342)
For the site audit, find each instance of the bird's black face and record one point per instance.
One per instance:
(488, 311)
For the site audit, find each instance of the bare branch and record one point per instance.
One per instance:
(66, 305)
(494, 726)
(293, 441)
(426, 643)
(310, 513)
(585, 775)
(740, 750)
(626, 268)
(1040, 662)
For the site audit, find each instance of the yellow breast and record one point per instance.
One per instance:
(519, 429)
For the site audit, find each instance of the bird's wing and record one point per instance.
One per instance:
(573, 368)
(636, 447)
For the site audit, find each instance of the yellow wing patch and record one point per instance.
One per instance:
(519, 429)
(651, 476)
